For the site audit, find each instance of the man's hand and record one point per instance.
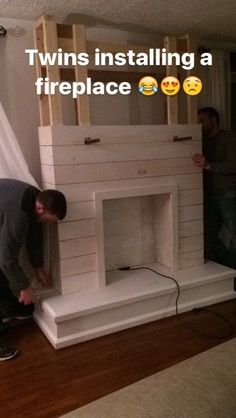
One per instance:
(200, 161)
(27, 296)
(43, 277)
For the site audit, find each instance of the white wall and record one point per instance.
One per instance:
(17, 92)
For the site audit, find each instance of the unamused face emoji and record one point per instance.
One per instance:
(148, 86)
(192, 85)
(170, 86)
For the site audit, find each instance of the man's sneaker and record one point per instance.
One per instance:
(5, 311)
(15, 310)
(22, 311)
(6, 352)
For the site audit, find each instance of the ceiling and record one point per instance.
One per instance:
(208, 19)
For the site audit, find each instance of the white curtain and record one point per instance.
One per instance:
(12, 161)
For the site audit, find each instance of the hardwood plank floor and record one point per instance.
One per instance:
(43, 382)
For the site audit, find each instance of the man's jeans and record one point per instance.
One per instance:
(9, 304)
(219, 210)
(5, 294)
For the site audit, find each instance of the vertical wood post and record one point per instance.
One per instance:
(45, 39)
(170, 44)
(81, 74)
(52, 71)
(192, 101)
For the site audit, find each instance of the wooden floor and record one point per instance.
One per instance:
(42, 382)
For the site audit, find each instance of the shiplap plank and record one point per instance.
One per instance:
(79, 282)
(76, 229)
(191, 259)
(191, 228)
(98, 153)
(189, 181)
(78, 265)
(80, 210)
(190, 213)
(190, 197)
(85, 173)
(85, 191)
(86, 210)
(193, 243)
(75, 135)
(77, 247)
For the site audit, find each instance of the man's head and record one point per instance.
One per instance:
(50, 206)
(209, 118)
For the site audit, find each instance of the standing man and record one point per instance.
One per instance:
(23, 210)
(218, 162)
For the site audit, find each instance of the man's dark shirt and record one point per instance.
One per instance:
(220, 152)
(18, 224)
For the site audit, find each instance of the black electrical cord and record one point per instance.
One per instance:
(202, 334)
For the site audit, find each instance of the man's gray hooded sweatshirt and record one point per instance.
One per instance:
(18, 225)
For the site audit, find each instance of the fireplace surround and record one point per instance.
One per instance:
(134, 199)
(139, 167)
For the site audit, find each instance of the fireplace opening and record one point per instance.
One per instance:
(136, 231)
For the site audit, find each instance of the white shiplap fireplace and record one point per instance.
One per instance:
(134, 199)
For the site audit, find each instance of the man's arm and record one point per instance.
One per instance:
(228, 166)
(200, 161)
(12, 238)
(27, 296)
(34, 244)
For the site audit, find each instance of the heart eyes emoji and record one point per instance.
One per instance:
(170, 86)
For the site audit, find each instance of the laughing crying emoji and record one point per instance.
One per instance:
(148, 86)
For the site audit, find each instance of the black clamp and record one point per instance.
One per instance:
(183, 138)
(3, 32)
(89, 140)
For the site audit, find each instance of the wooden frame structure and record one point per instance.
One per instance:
(49, 36)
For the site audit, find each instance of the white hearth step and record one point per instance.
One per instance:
(131, 298)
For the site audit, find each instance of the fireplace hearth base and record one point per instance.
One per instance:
(130, 298)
